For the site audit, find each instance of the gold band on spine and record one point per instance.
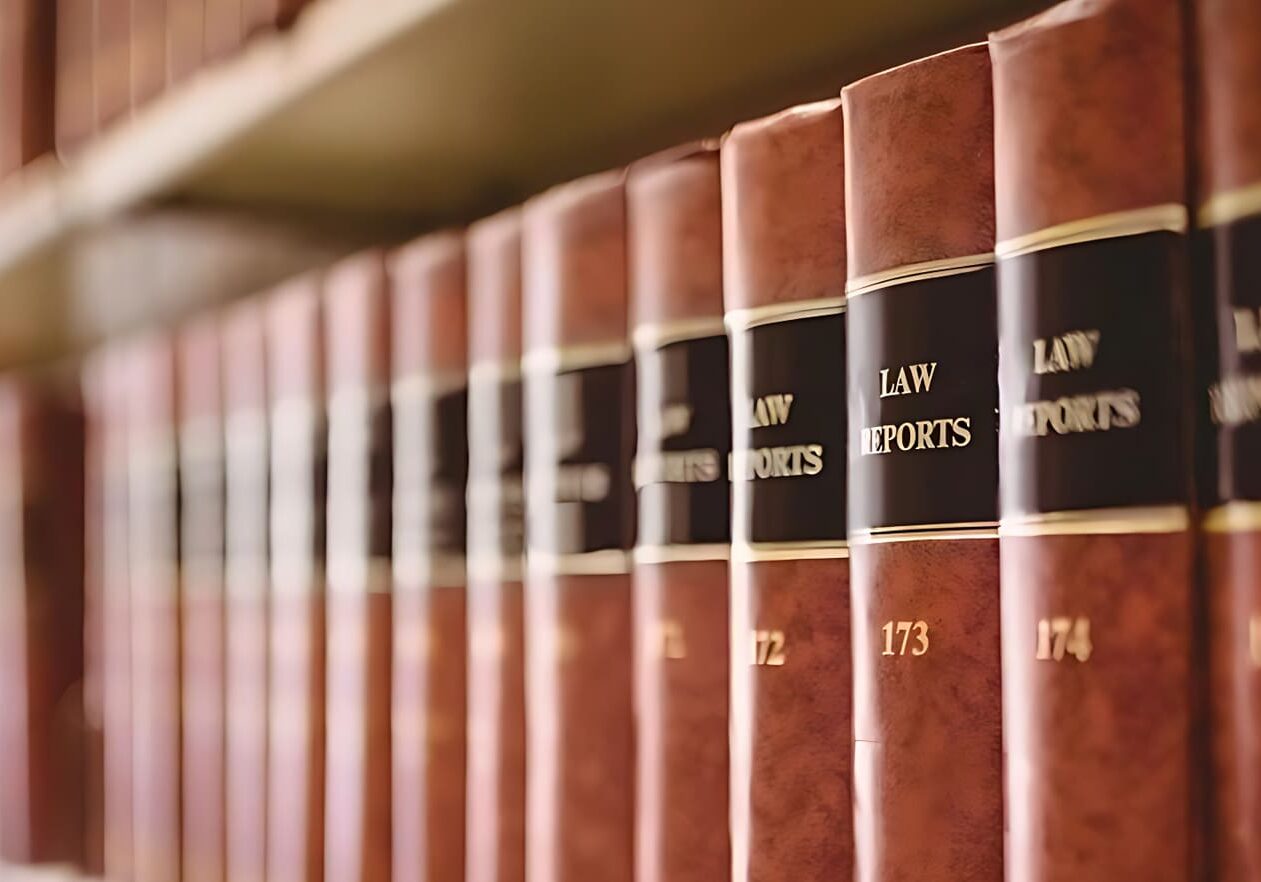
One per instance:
(607, 562)
(1234, 517)
(1230, 205)
(648, 337)
(491, 370)
(1171, 217)
(422, 385)
(494, 568)
(821, 549)
(918, 272)
(926, 532)
(660, 554)
(553, 359)
(1100, 521)
(742, 319)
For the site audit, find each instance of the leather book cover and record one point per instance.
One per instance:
(495, 810)
(429, 398)
(185, 38)
(201, 480)
(148, 56)
(1229, 305)
(783, 194)
(360, 486)
(74, 103)
(246, 588)
(923, 471)
(41, 615)
(156, 638)
(580, 527)
(224, 28)
(298, 468)
(28, 49)
(1099, 607)
(681, 639)
(111, 61)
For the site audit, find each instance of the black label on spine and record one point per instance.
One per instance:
(496, 492)
(1089, 375)
(788, 415)
(361, 480)
(579, 441)
(923, 398)
(1230, 405)
(684, 443)
(430, 471)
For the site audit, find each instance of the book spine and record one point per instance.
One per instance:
(430, 404)
(923, 470)
(495, 815)
(681, 640)
(41, 609)
(185, 38)
(247, 589)
(95, 394)
(74, 102)
(154, 536)
(148, 56)
(1098, 604)
(299, 469)
(28, 70)
(224, 28)
(111, 61)
(1229, 307)
(579, 440)
(784, 281)
(201, 477)
(357, 803)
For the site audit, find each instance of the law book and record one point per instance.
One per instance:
(202, 608)
(185, 38)
(783, 209)
(429, 399)
(27, 75)
(923, 470)
(111, 61)
(74, 107)
(148, 54)
(1229, 221)
(495, 804)
(681, 639)
(156, 645)
(41, 623)
(223, 24)
(1099, 607)
(580, 527)
(357, 795)
(298, 465)
(247, 594)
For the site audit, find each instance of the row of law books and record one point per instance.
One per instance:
(75, 68)
(867, 495)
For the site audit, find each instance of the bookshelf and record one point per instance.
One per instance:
(372, 121)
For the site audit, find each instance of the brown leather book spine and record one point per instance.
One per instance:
(247, 588)
(28, 73)
(430, 405)
(495, 814)
(111, 61)
(1229, 306)
(360, 482)
(682, 651)
(923, 474)
(783, 196)
(298, 469)
(41, 611)
(185, 38)
(95, 393)
(224, 28)
(201, 476)
(1098, 605)
(74, 111)
(156, 645)
(148, 56)
(579, 440)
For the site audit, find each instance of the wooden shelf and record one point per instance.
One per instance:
(370, 121)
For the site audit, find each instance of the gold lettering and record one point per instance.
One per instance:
(791, 461)
(701, 466)
(1062, 636)
(905, 437)
(1254, 640)
(905, 629)
(772, 410)
(920, 380)
(1247, 330)
(768, 648)
(1072, 414)
(1235, 401)
(1072, 351)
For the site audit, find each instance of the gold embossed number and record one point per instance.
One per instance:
(670, 640)
(1061, 636)
(768, 648)
(897, 638)
(1254, 640)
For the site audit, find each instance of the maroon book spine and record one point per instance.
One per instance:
(1229, 307)
(153, 534)
(430, 403)
(579, 413)
(185, 38)
(357, 799)
(495, 814)
(148, 55)
(111, 61)
(247, 589)
(923, 474)
(298, 470)
(682, 642)
(28, 50)
(74, 103)
(224, 28)
(784, 279)
(1099, 608)
(201, 522)
(41, 614)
